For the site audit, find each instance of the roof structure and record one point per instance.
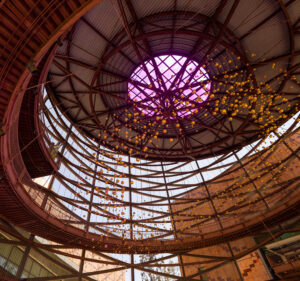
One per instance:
(135, 128)
(100, 54)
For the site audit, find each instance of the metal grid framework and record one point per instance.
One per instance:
(161, 97)
(222, 124)
(31, 247)
(141, 201)
(154, 191)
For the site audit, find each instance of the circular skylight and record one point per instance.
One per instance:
(169, 86)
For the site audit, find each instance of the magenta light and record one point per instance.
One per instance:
(151, 92)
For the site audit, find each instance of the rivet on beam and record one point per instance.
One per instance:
(31, 66)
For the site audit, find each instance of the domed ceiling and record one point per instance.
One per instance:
(177, 80)
(165, 129)
(157, 114)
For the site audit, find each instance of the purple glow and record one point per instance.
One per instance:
(153, 93)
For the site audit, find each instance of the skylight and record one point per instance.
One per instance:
(169, 86)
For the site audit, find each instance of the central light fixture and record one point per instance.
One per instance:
(169, 86)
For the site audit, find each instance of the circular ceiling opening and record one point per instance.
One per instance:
(165, 97)
(170, 86)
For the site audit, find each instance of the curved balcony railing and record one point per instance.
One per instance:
(46, 213)
(45, 209)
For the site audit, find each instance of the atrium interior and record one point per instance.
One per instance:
(149, 140)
